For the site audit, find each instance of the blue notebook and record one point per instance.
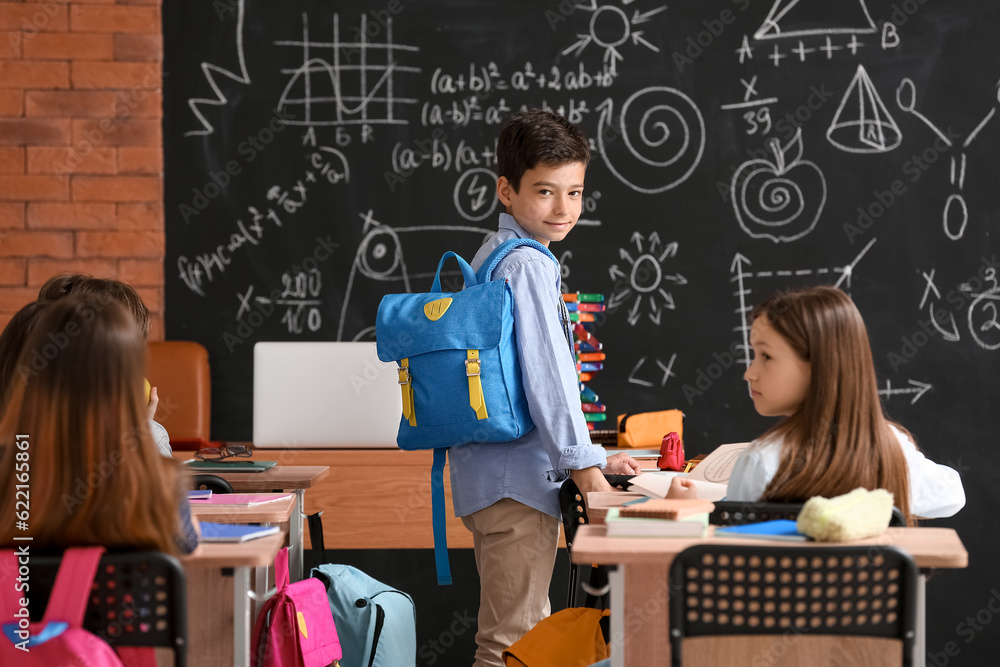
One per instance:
(779, 529)
(233, 532)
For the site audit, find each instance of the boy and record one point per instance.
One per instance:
(507, 493)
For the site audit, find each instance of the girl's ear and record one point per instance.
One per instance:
(504, 190)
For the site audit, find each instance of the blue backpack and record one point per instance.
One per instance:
(458, 369)
(376, 624)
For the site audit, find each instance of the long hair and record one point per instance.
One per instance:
(77, 434)
(839, 439)
(12, 343)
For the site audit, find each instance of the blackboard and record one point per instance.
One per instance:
(320, 155)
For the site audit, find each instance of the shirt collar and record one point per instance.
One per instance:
(507, 221)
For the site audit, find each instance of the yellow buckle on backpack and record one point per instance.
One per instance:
(476, 399)
(406, 385)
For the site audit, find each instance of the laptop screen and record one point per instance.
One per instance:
(323, 395)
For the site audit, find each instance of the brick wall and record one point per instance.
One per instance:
(81, 157)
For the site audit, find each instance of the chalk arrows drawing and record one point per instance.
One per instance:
(862, 124)
(917, 389)
(644, 277)
(664, 133)
(610, 28)
(780, 200)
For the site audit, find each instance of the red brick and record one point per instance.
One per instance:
(69, 103)
(90, 18)
(12, 216)
(119, 244)
(140, 217)
(33, 16)
(69, 46)
(26, 188)
(12, 299)
(10, 45)
(117, 188)
(140, 271)
(139, 103)
(156, 327)
(11, 102)
(117, 132)
(140, 160)
(152, 297)
(21, 74)
(45, 160)
(139, 48)
(116, 75)
(40, 270)
(34, 131)
(70, 216)
(12, 271)
(11, 160)
(36, 244)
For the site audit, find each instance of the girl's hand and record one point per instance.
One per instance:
(154, 400)
(682, 488)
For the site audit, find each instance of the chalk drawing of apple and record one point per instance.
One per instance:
(780, 200)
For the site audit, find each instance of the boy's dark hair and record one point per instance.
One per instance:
(110, 289)
(533, 137)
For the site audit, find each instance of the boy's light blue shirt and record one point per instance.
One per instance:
(531, 468)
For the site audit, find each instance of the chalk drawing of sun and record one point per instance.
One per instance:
(645, 278)
(611, 27)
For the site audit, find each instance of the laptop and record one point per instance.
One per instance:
(323, 395)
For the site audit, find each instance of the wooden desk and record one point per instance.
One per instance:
(277, 511)
(219, 605)
(640, 584)
(295, 478)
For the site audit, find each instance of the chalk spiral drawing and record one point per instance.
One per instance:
(645, 277)
(207, 69)
(956, 211)
(323, 99)
(741, 276)
(780, 200)
(380, 258)
(799, 18)
(671, 138)
(862, 124)
(610, 28)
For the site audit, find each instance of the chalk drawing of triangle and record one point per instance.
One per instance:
(797, 18)
(862, 124)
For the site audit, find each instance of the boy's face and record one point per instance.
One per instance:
(549, 201)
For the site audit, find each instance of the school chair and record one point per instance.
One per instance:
(181, 374)
(139, 599)
(736, 512)
(213, 483)
(781, 605)
(574, 515)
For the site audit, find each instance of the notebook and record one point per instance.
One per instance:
(229, 465)
(622, 526)
(779, 529)
(233, 532)
(663, 508)
(244, 499)
(323, 395)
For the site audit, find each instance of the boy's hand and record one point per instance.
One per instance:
(682, 488)
(154, 400)
(622, 464)
(590, 480)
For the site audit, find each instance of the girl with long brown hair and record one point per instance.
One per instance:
(76, 432)
(813, 365)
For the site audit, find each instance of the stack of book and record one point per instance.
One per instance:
(659, 518)
(589, 351)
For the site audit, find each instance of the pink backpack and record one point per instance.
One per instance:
(295, 626)
(59, 638)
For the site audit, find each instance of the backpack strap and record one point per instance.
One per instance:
(258, 638)
(485, 271)
(281, 578)
(71, 590)
(437, 511)
(467, 273)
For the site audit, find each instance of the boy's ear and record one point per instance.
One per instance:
(504, 190)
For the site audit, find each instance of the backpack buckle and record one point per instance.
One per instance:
(469, 372)
(404, 375)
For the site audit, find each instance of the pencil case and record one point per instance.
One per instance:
(645, 430)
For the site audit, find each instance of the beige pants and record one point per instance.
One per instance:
(515, 553)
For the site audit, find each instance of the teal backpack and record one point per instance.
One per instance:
(458, 366)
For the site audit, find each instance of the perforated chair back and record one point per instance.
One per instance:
(718, 589)
(139, 598)
(735, 512)
(213, 483)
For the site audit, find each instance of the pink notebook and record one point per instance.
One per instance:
(245, 499)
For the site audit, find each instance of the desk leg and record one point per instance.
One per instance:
(920, 641)
(295, 539)
(616, 581)
(242, 623)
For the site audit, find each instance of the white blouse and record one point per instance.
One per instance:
(935, 490)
